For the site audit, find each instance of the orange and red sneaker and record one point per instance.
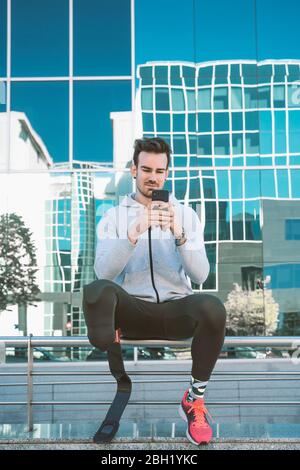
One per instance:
(194, 412)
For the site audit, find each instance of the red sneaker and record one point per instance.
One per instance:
(194, 412)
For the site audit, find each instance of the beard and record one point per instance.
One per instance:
(146, 191)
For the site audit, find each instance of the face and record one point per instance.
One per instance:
(151, 172)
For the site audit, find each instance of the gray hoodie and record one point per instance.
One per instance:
(128, 265)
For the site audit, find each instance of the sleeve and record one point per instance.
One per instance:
(192, 252)
(112, 252)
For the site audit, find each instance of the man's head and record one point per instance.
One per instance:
(151, 160)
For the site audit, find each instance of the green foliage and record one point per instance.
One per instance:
(251, 313)
(18, 263)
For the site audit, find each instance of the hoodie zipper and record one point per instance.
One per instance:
(151, 264)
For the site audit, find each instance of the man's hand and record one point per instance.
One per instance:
(156, 214)
(165, 215)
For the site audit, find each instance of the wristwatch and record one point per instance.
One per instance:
(178, 241)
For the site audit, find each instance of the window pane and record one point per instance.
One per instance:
(221, 98)
(145, 73)
(252, 141)
(179, 144)
(161, 75)
(176, 79)
(177, 100)
(293, 72)
(252, 183)
(252, 224)
(292, 229)
(102, 37)
(237, 121)
(205, 75)
(221, 122)
(180, 187)
(191, 122)
(280, 136)
(264, 97)
(222, 144)
(162, 99)
(265, 142)
(148, 125)
(251, 121)
(204, 98)
(279, 75)
(264, 73)
(93, 103)
(178, 122)
(283, 183)
(237, 220)
(2, 38)
(163, 122)
(236, 98)
(147, 99)
(223, 191)
(279, 98)
(40, 38)
(221, 72)
(249, 72)
(267, 183)
(294, 131)
(209, 188)
(295, 178)
(46, 109)
(204, 122)
(204, 145)
(265, 121)
(236, 184)
(294, 95)
(237, 144)
(251, 98)
(191, 100)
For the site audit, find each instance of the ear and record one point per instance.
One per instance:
(133, 171)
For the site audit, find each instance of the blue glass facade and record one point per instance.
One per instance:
(242, 120)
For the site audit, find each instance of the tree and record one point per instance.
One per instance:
(251, 313)
(17, 266)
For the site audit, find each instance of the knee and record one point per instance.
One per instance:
(212, 311)
(105, 287)
(95, 290)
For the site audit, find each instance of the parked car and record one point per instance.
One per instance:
(39, 355)
(240, 352)
(128, 354)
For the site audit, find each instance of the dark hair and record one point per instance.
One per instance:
(153, 144)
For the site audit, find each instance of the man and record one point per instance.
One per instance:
(145, 286)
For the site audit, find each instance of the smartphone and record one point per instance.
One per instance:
(160, 195)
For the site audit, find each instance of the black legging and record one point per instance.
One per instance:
(201, 316)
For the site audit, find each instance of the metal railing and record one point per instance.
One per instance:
(30, 342)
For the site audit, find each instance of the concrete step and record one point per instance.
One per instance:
(152, 444)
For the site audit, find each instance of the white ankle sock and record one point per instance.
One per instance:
(197, 389)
